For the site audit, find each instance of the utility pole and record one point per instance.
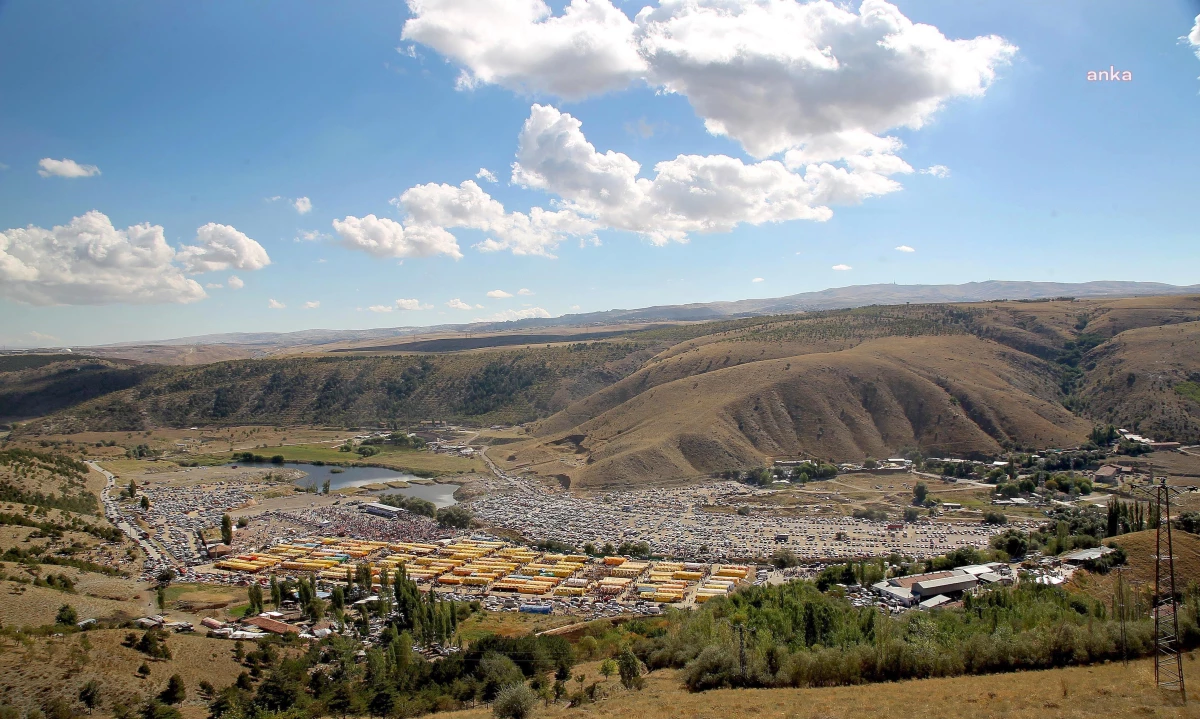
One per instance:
(1168, 663)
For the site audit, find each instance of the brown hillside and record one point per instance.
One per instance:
(954, 394)
(1135, 381)
(1140, 548)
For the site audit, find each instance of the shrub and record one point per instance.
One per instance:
(993, 517)
(66, 615)
(515, 701)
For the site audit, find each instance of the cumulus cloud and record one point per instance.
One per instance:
(842, 268)
(905, 248)
(457, 304)
(537, 232)
(311, 236)
(574, 307)
(1193, 37)
(275, 304)
(758, 279)
(525, 291)
(380, 308)
(588, 49)
(412, 305)
(65, 168)
(498, 294)
(486, 175)
(383, 237)
(593, 190)
(90, 262)
(690, 193)
(312, 305)
(936, 171)
(235, 282)
(222, 247)
(510, 315)
(303, 205)
(771, 74)
(213, 285)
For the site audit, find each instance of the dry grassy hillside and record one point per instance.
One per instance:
(1146, 379)
(36, 671)
(1107, 690)
(955, 394)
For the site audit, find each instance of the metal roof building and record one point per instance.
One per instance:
(944, 585)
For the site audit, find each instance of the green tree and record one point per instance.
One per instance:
(175, 692)
(227, 529)
(145, 503)
(920, 494)
(89, 694)
(630, 669)
(911, 514)
(456, 517)
(160, 598)
(608, 667)
(66, 615)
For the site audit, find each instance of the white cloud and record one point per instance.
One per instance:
(303, 205)
(771, 74)
(478, 307)
(311, 236)
(588, 49)
(525, 292)
(905, 248)
(65, 168)
(1193, 37)
(842, 268)
(412, 305)
(275, 305)
(936, 171)
(235, 282)
(213, 286)
(457, 304)
(89, 262)
(382, 237)
(486, 175)
(498, 294)
(312, 305)
(758, 279)
(574, 307)
(380, 308)
(510, 315)
(222, 248)
(691, 193)
(273, 198)
(468, 206)
(42, 337)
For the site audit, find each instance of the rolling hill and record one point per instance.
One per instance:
(677, 400)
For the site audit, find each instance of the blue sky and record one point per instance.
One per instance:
(196, 115)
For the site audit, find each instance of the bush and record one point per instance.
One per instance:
(1189, 522)
(66, 615)
(515, 701)
(993, 517)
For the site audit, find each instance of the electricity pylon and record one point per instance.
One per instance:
(1168, 664)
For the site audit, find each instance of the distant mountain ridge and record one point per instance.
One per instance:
(829, 299)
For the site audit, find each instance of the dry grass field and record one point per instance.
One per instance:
(38, 669)
(24, 605)
(1108, 690)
